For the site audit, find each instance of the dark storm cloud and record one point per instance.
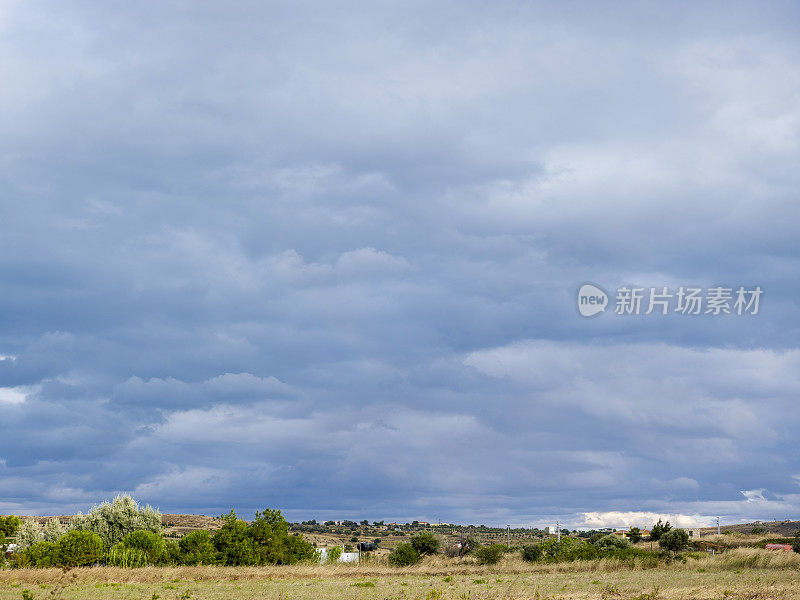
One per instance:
(324, 258)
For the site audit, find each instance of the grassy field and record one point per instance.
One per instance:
(746, 574)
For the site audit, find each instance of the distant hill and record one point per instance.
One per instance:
(785, 528)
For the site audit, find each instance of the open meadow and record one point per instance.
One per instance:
(738, 574)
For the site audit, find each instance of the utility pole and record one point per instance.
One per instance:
(508, 536)
(717, 525)
(558, 529)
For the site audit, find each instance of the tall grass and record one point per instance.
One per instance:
(746, 558)
(752, 558)
(128, 558)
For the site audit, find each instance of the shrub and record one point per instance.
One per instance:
(462, 548)
(490, 555)
(610, 541)
(404, 555)
(532, 552)
(425, 543)
(41, 554)
(112, 521)
(568, 549)
(79, 548)
(596, 536)
(197, 548)
(171, 554)
(674, 540)
(796, 544)
(9, 526)
(148, 542)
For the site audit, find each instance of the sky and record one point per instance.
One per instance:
(324, 257)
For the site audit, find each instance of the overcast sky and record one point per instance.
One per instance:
(324, 257)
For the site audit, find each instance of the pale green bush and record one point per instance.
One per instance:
(28, 534)
(112, 521)
(53, 530)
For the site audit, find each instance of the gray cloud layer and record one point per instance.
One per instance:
(323, 257)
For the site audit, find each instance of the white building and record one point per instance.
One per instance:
(346, 557)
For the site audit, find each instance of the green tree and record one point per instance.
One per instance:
(148, 542)
(9, 526)
(79, 549)
(274, 544)
(197, 548)
(674, 540)
(659, 529)
(269, 530)
(404, 555)
(635, 535)
(298, 549)
(425, 543)
(41, 555)
(796, 544)
(234, 543)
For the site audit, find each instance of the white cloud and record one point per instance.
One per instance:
(15, 395)
(623, 519)
(754, 495)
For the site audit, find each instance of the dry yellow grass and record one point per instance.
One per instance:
(740, 574)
